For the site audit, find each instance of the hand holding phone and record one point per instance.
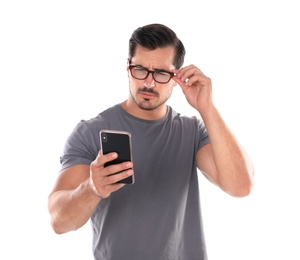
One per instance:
(119, 142)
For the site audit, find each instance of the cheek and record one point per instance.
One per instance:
(166, 91)
(133, 87)
(170, 86)
(132, 84)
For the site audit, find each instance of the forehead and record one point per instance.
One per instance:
(158, 58)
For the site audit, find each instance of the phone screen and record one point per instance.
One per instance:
(119, 142)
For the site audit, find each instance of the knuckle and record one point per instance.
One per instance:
(113, 178)
(111, 170)
(114, 169)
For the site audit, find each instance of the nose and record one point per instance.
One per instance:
(149, 81)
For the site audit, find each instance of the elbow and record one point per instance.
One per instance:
(243, 189)
(57, 228)
(242, 186)
(59, 224)
(245, 184)
(58, 221)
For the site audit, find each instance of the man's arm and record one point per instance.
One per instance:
(72, 200)
(223, 161)
(80, 188)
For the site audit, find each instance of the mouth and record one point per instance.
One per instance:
(147, 93)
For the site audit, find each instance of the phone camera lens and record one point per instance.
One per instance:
(104, 138)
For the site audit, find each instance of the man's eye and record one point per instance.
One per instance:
(162, 73)
(140, 69)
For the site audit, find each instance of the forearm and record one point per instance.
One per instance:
(71, 209)
(234, 168)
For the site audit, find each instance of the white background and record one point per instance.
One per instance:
(63, 61)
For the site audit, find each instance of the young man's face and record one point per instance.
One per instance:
(149, 94)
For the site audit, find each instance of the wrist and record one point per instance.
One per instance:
(207, 111)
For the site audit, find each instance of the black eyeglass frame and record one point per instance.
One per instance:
(152, 72)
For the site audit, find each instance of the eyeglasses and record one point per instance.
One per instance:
(159, 76)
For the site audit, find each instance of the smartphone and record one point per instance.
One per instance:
(119, 142)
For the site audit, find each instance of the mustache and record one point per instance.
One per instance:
(149, 90)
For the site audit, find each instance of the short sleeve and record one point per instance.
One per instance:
(202, 137)
(81, 146)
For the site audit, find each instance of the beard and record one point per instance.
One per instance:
(149, 104)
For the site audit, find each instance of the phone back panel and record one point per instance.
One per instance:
(119, 142)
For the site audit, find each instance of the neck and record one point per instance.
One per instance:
(155, 114)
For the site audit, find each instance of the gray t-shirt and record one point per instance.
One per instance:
(159, 216)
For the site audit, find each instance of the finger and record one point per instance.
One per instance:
(112, 179)
(109, 184)
(193, 79)
(179, 73)
(178, 80)
(102, 159)
(116, 168)
(187, 72)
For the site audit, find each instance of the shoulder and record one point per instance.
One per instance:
(191, 125)
(101, 119)
(185, 119)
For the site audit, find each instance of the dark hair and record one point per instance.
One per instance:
(154, 36)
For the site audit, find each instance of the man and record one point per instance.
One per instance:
(159, 216)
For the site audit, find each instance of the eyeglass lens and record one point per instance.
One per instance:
(142, 73)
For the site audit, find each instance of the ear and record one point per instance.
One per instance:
(128, 63)
(127, 68)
